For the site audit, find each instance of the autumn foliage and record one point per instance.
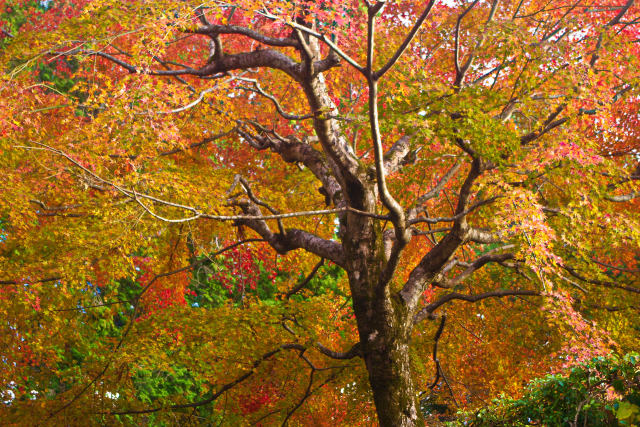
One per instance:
(311, 212)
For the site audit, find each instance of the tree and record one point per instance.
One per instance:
(433, 152)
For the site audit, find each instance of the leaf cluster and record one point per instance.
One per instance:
(602, 392)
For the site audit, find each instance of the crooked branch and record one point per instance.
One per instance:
(306, 280)
(429, 309)
(226, 387)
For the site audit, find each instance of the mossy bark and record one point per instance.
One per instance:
(383, 324)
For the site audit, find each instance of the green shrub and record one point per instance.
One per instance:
(602, 392)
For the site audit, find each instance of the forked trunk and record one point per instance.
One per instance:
(383, 322)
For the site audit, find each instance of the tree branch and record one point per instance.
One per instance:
(291, 239)
(257, 89)
(226, 387)
(396, 211)
(294, 151)
(306, 280)
(406, 42)
(577, 275)
(399, 154)
(623, 197)
(460, 71)
(429, 309)
(355, 351)
(478, 264)
(434, 191)
(6, 33)
(323, 38)
(266, 58)
(20, 282)
(433, 262)
(214, 30)
(614, 21)
(549, 124)
(434, 355)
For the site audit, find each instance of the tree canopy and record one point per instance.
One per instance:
(311, 212)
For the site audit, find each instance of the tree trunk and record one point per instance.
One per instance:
(391, 381)
(382, 326)
(383, 320)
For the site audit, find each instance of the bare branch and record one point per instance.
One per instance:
(205, 141)
(306, 280)
(257, 89)
(214, 30)
(6, 33)
(433, 262)
(304, 397)
(548, 125)
(322, 37)
(436, 339)
(429, 309)
(291, 239)
(199, 12)
(577, 275)
(469, 232)
(478, 235)
(376, 7)
(399, 154)
(628, 270)
(396, 211)
(26, 281)
(259, 202)
(309, 390)
(355, 351)
(623, 197)
(460, 71)
(435, 190)
(190, 105)
(614, 21)
(132, 194)
(406, 42)
(266, 58)
(478, 264)
(54, 208)
(226, 387)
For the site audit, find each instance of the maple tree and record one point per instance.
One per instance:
(170, 169)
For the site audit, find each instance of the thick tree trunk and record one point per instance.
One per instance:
(382, 326)
(383, 321)
(391, 381)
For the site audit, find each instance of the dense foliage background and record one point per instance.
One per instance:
(143, 143)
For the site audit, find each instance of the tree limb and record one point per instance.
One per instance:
(623, 197)
(257, 89)
(435, 190)
(434, 355)
(406, 42)
(577, 275)
(355, 351)
(429, 309)
(213, 30)
(306, 280)
(476, 265)
(226, 387)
